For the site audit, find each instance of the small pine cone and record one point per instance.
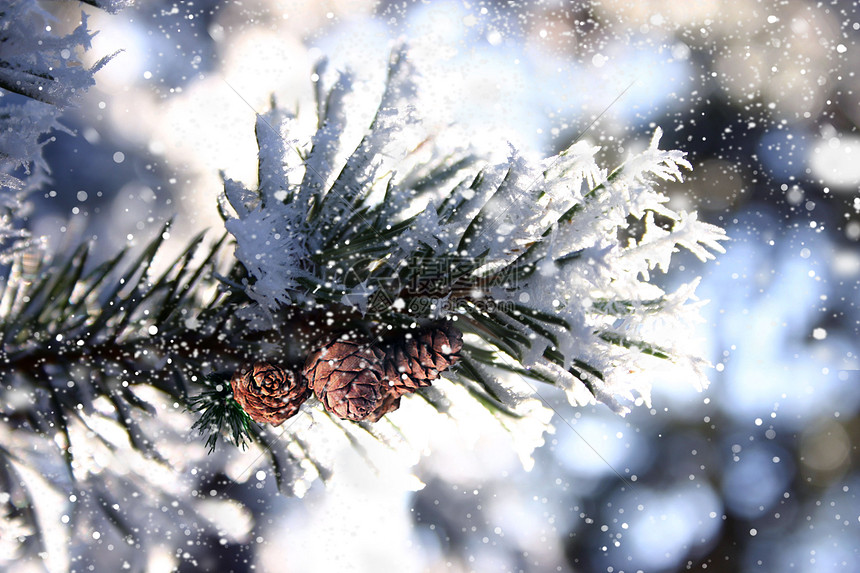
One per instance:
(268, 393)
(415, 362)
(348, 378)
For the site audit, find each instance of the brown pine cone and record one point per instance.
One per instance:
(268, 393)
(415, 362)
(348, 378)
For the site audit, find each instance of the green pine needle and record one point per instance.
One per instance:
(220, 414)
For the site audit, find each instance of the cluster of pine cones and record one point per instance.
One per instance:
(353, 380)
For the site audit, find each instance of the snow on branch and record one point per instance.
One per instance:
(40, 75)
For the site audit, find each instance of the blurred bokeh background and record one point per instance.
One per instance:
(757, 473)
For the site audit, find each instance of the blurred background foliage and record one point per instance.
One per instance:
(758, 473)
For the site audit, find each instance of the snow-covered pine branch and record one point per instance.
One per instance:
(40, 75)
(541, 264)
(537, 271)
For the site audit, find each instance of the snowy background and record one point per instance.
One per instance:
(757, 473)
